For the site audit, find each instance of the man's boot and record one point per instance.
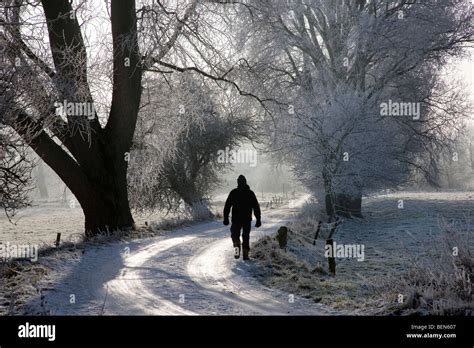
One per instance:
(237, 251)
(246, 254)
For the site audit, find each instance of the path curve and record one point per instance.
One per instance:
(191, 271)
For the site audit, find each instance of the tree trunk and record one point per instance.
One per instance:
(200, 211)
(332, 258)
(198, 206)
(94, 170)
(348, 205)
(434, 180)
(106, 208)
(106, 215)
(471, 152)
(41, 181)
(101, 190)
(329, 198)
(329, 206)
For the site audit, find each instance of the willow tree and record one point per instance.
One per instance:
(183, 125)
(335, 64)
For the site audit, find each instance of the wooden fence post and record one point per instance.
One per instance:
(331, 259)
(58, 240)
(316, 235)
(329, 241)
(282, 237)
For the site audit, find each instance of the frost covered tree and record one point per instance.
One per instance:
(450, 167)
(194, 123)
(15, 163)
(81, 65)
(364, 102)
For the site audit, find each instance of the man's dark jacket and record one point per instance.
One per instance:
(243, 201)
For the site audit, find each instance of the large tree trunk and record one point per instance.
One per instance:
(106, 210)
(101, 190)
(106, 206)
(103, 216)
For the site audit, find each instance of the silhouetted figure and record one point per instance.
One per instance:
(242, 200)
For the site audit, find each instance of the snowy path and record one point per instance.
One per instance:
(189, 272)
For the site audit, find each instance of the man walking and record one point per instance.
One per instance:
(243, 201)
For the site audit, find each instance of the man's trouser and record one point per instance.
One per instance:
(235, 234)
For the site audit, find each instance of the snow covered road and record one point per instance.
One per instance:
(191, 271)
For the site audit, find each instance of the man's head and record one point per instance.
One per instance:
(241, 181)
